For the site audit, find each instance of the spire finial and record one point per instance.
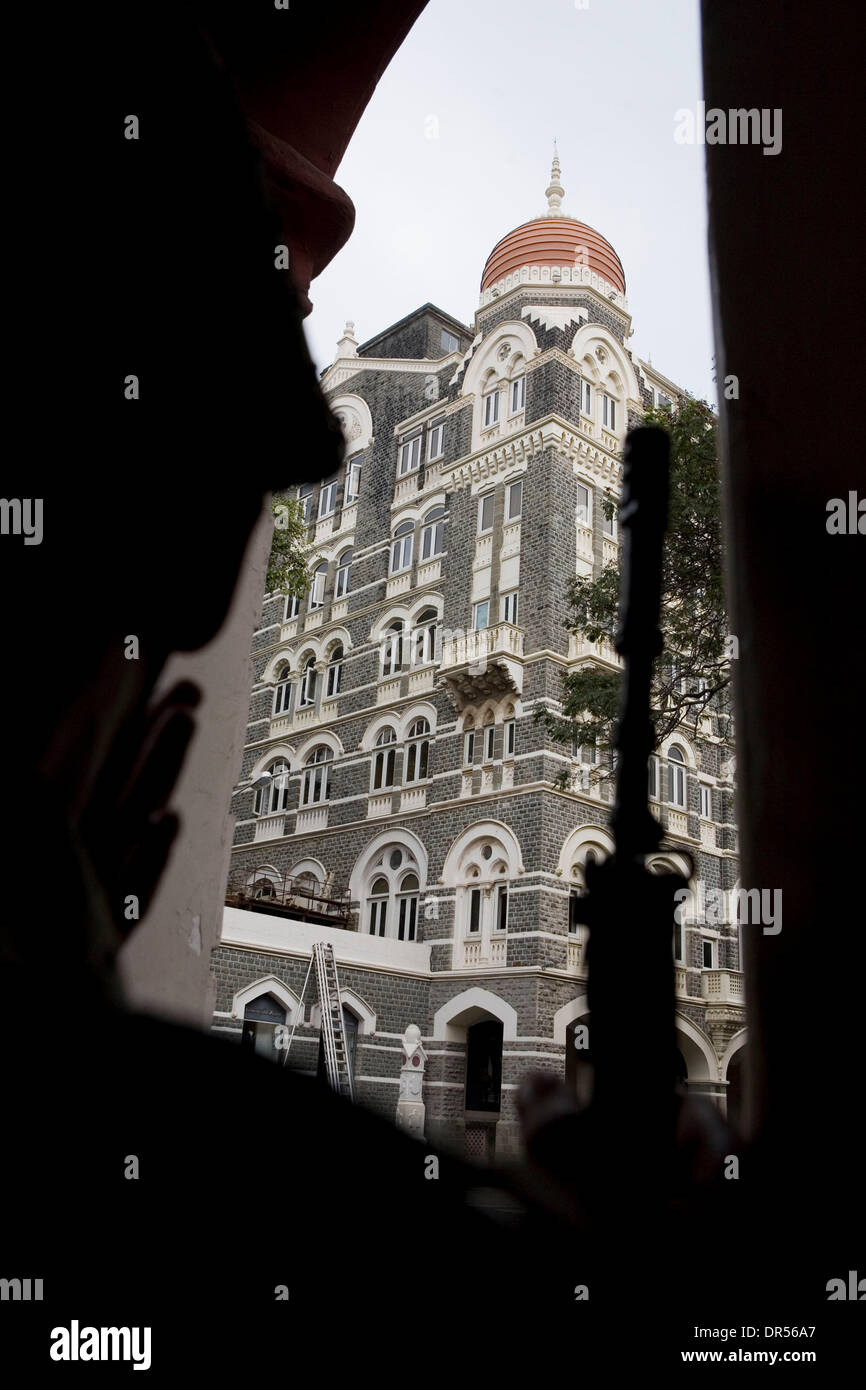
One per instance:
(555, 192)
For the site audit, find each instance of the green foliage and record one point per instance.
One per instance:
(291, 554)
(693, 674)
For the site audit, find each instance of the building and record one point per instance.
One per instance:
(398, 798)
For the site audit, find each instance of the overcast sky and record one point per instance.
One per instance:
(493, 82)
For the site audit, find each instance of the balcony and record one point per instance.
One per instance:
(603, 652)
(302, 898)
(270, 827)
(481, 665)
(678, 824)
(484, 955)
(723, 987)
(313, 818)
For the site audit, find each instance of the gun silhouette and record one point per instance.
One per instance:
(630, 915)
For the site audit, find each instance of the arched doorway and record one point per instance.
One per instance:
(262, 1017)
(578, 1060)
(736, 1092)
(483, 1088)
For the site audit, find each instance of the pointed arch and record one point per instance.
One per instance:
(268, 984)
(700, 1057)
(472, 1006)
(591, 336)
(355, 1004)
(566, 1015)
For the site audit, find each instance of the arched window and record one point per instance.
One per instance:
(424, 638)
(392, 650)
(391, 901)
(273, 795)
(482, 890)
(676, 777)
(315, 787)
(283, 691)
(332, 678)
(317, 592)
(489, 738)
(377, 906)
(401, 547)
(433, 533)
(384, 760)
(307, 695)
(344, 567)
(407, 907)
(417, 751)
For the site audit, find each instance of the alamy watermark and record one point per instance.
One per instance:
(749, 906)
(22, 516)
(738, 126)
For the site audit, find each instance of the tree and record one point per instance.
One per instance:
(693, 674)
(291, 552)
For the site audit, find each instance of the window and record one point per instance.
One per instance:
(707, 953)
(485, 513)
(344, 565)
(489, 741)
(608, 525)
(436, 438)
(584, 512)
(401, 547)
(353, 479)
(333, 674)
(678, 941)
(491, 408)
(315, 785)
(509, 607)
(517, 394)
(407, 908)
(501, 920)
(608, 412)
(706, 802)
(384, 760)
(654, 778)
(482, 615)
(327, 500)
(433, 533)
(291, 609)
(410, 455)
(514, 501)
(574, 912)
(305, 497)
(377, 907)
(273, 795)
(469, 748)
(392, 650)
(307, 695)
(508, 738)
(424, 638)
(676, 777)
(417, 751)
(662, 400)
(475, 909)
(449, 342)
(587, 398)
(317, 592)
(283, 692)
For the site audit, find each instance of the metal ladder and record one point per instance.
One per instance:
(333, 1033)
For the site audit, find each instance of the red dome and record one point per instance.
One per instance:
(553, 241)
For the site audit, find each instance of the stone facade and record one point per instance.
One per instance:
(412, 798)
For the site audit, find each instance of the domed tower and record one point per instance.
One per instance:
(554, 249)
